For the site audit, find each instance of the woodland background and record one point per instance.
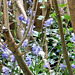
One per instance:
(37, 37)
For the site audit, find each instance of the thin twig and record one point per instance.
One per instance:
(6, 20)
(51, 49)
(28, 27)
(34, 17)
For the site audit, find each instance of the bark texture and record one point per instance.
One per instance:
(12, 46)
(71, 4)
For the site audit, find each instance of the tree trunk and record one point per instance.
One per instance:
(71, 4)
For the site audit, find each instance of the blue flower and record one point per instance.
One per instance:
(58, 50)
(62, 66)
(22, 32)
(73, 39)
(28, 60)
(21, 17)
(46, 65)
(12, 58)
(9, 3)
(48, 22)
(31, 4)
(25, 43)
(4, 48)
(73, 57)
(36, 49)
(73, 66)
(5, 70)
(29, 1)
(30, 11)
(5, 55)
(27, 20)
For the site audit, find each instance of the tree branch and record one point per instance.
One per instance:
(29, 25)
(16, 53)
(6, 20)
(20, 5)
(71, 4)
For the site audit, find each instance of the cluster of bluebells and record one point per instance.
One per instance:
(46, 65)
(73, 66)
(36, 49)
(29, 11)
(48, 22)
(6, 54)
(9, 3)
(28, 60)
(63, 66)
(5, 70)
(73, 39)
(59, 50)
(21, 17)
(13, 58)
(30, 2)
(22, 31)
(25, 43)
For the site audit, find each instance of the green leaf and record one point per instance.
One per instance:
(0, 13)
(54, 15)
(67, 17)
(70, 44)
(62, 5)
(70, 29)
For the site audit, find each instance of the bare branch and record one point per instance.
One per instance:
(29, 25)
(6, 19)
(16, 53)
(20, 5)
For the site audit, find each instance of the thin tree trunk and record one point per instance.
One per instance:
(62, 38)
(71, 4)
